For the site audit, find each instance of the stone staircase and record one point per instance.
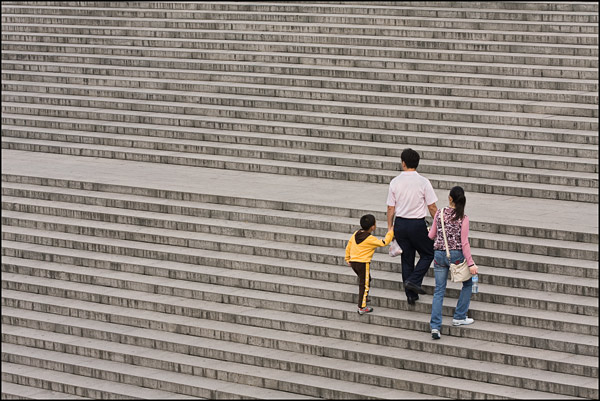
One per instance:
(124, 288)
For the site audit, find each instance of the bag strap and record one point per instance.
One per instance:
(444, 234)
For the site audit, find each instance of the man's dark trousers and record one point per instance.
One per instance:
(411, 235)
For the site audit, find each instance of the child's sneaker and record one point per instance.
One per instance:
(366, 309)
(435, 334)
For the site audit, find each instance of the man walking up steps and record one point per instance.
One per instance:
(410, 197)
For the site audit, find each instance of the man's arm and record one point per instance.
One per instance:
(432, 209)
(391, 213)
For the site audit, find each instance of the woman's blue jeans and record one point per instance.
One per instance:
(441, 269)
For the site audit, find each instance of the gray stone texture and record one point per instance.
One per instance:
(179, 180)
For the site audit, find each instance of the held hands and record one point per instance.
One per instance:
(473, 269)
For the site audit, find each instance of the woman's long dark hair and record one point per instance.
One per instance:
(458, 197)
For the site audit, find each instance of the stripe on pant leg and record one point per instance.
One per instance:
(366, 292)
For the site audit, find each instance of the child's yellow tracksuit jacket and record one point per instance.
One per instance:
(361, 246)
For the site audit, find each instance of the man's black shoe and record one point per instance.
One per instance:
(413, 287)
(411, 301)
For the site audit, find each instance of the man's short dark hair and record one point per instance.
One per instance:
(410, 157)
(367, 221)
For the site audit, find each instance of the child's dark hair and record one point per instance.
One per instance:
(410, 157)
(458, 197)
(367, 221)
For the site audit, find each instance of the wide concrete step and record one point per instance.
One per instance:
(352, 33)
(585, 14)
(306, 253)
(296, 204)
(217, 354)
(485, 165)
(88, 370)
(375, 79)
(351, 141)
(260, 211)
(223, 269)
(11, 391)
(181, 297)
(527, 308)
(300, 110)
(266, 228)
(374, 45)
(578, 62)
(299, 168)
(41, 382)
(355, 125)
(222, 321)
(384, 92)
(551, 293)
(282, 97)
(275, 330)
(351, 67)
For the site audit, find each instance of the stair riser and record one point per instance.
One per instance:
(409, 324)
(334, 68)
(209, 29)
(222, 278)
(395, 81)
(331, 276)
(305, 13)
(273, 99)
(482, 259)
(54, 185)
(255, 86)
(279, 41)
(234, 336)
(298, 367)
(342, 55)
(65, 388)
(314, 138)
(261, 234)
(275, 110)
(383, 151)
(99, 373)
(503, 188)
(198, 148)
(214, 293)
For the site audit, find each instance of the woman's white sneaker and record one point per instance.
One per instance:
(461, 322)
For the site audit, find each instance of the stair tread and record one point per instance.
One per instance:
(193, 117)
(289, 356)
(66, 46)
(294, 35)
(450, 137)
(312, 102)
(354, 144)
(294, 100)
(308, 77)
(236, 205)
(300, 152)
(272, 25)
(300, 165)
(25, 392)
(458, 343)
(517, 311)
(343, 310)
(78, 381)
(306, 232)
(316, 249)
(428, 282)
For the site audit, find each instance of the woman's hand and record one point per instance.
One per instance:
(473, 269)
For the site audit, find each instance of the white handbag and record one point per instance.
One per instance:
(459, 272)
